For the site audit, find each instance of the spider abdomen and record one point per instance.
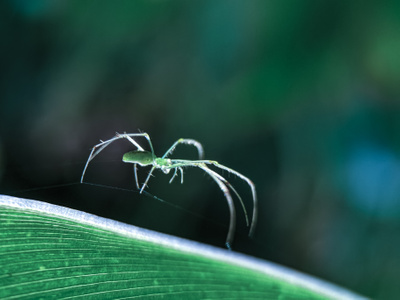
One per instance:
(143, 158)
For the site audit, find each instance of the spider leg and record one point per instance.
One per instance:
(226, 182)
(195, 143)
(96, 150)
(232, 211)
(147, 179)
(174, 175)
(136, 176)
(129, 136)
(252, 187)
(223, 185)
(99, 147)
(178, 163)
(180, 169)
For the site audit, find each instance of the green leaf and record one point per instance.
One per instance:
(53, 252)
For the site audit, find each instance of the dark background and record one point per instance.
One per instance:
(300, 96)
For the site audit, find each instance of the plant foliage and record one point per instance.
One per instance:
(51, 252)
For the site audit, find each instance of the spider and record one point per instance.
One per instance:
(143, 158)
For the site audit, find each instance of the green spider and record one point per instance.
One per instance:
(143, 158)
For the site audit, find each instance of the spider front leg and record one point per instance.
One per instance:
(232, 211)
(195, 143)
(251, 185)
(224, 185)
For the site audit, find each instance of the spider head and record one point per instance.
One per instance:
(143, 158)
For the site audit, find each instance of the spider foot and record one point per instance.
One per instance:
(228, 246)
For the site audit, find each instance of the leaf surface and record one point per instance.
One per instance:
(52, 252)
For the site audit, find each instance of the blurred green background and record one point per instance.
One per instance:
(300, 96)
